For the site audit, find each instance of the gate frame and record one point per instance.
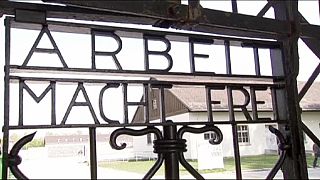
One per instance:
(287, 30)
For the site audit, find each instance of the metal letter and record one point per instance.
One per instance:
(104, 117)
(164, 53)
(52, 87)
(103, 53)
(193, 55)
(45, 50)
(86, 103)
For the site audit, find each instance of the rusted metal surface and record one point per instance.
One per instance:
(295, 165)
(214, 21)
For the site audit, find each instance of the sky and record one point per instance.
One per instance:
(76, 51)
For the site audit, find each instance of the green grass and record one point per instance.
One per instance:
(247, 163)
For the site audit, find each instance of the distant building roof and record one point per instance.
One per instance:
(194, 98)
(182, 99)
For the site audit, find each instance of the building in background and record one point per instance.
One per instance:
(188, 104)
(78, 146)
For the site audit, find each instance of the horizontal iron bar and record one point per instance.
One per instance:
(216, 22)
(143, 124)
(61, 11)
(261, 45)
(160, 10)
(82, 28)
(43, 50)
(135, 73)
(156, 82)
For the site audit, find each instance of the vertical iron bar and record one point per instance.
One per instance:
(20, 123)
(191, 55)
(209, 105)
(5, 145)
(295, 166)
(256, 61)
(162, 105)
(125, 102)
(254, 104)
(93, 153)
(234, 134)
(146, 101)
(275, 108)
(234, 6)
(228, 59)
(171, 159)
(53, 103)
(93, 50)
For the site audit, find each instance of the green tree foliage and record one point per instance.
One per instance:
(34, 143)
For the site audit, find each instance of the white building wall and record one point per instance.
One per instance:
(257, 135)
(141, 148)
(312, 121)
(257, 132)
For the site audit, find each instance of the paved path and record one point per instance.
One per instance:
(54, 169)
(314, 173)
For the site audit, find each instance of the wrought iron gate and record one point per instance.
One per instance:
(169, 144)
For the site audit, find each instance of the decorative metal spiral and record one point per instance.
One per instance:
(163, 146)
(283, 148)
(217, 140)
(126, 131)
(15, 159)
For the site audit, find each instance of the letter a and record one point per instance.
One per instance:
(45, 50)
(74, 103)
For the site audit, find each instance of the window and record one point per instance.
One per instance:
(209, 135)
(154, 104)
(243, 134)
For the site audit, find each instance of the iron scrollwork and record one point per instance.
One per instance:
(217, 140)
(126, 131)
(15, 159)
(283, 148)
(171, 142)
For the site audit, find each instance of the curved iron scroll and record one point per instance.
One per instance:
(283, 148)
(125, 131)
(217, 140)
(163, 146)
(15, 159)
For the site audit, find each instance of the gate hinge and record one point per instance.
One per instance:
(29, 16)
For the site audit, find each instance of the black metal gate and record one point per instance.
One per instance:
(169, 144)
